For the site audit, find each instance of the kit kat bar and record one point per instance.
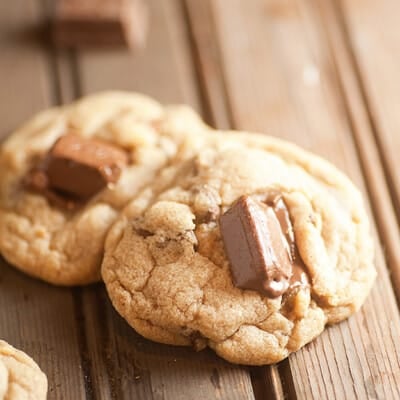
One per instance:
(100, 23)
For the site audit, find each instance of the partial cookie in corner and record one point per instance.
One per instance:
(65, 175)
(250, 248)
(20, 376)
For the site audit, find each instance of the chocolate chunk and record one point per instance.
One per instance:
(83, 167)
(80, 23)
(256, 248)
(260, 245)
(77, 168)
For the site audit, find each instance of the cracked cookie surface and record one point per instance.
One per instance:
(20, 376)
(66, 247)
(166, 270)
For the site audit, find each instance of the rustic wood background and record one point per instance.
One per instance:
(322, 73)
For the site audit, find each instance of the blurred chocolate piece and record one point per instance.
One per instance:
(83, 167)
(256, 247)
(37, 181)
(99, 23)
(76, 169)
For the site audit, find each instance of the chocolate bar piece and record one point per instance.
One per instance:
(83, 167)
(259, 243)
(77, 168)
(256, 247)
(37, 181)
(80, 23)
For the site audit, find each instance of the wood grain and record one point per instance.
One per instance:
(207, 59)
(280, 79)
(364, 134)
(372, 33)
(19, 53)
(34, 316)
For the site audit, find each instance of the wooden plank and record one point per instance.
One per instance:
(208, 61)
(17, 56)
(281, 79)
(121, 364)
(372, 29)
(34, 316)
(372, 34)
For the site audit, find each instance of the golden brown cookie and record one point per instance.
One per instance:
(170, 271)
(66, 173)
(20, 376)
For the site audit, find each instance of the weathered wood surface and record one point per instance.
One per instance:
(319, 73)
(373, 41)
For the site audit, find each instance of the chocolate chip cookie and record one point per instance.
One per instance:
(20, 376)
(65, 175)
(249, 247)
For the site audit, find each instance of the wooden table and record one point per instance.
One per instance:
(321, 73)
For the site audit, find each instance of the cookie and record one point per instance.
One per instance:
(65, 175)
(250, 247)
(20, 376)
(3, 380)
